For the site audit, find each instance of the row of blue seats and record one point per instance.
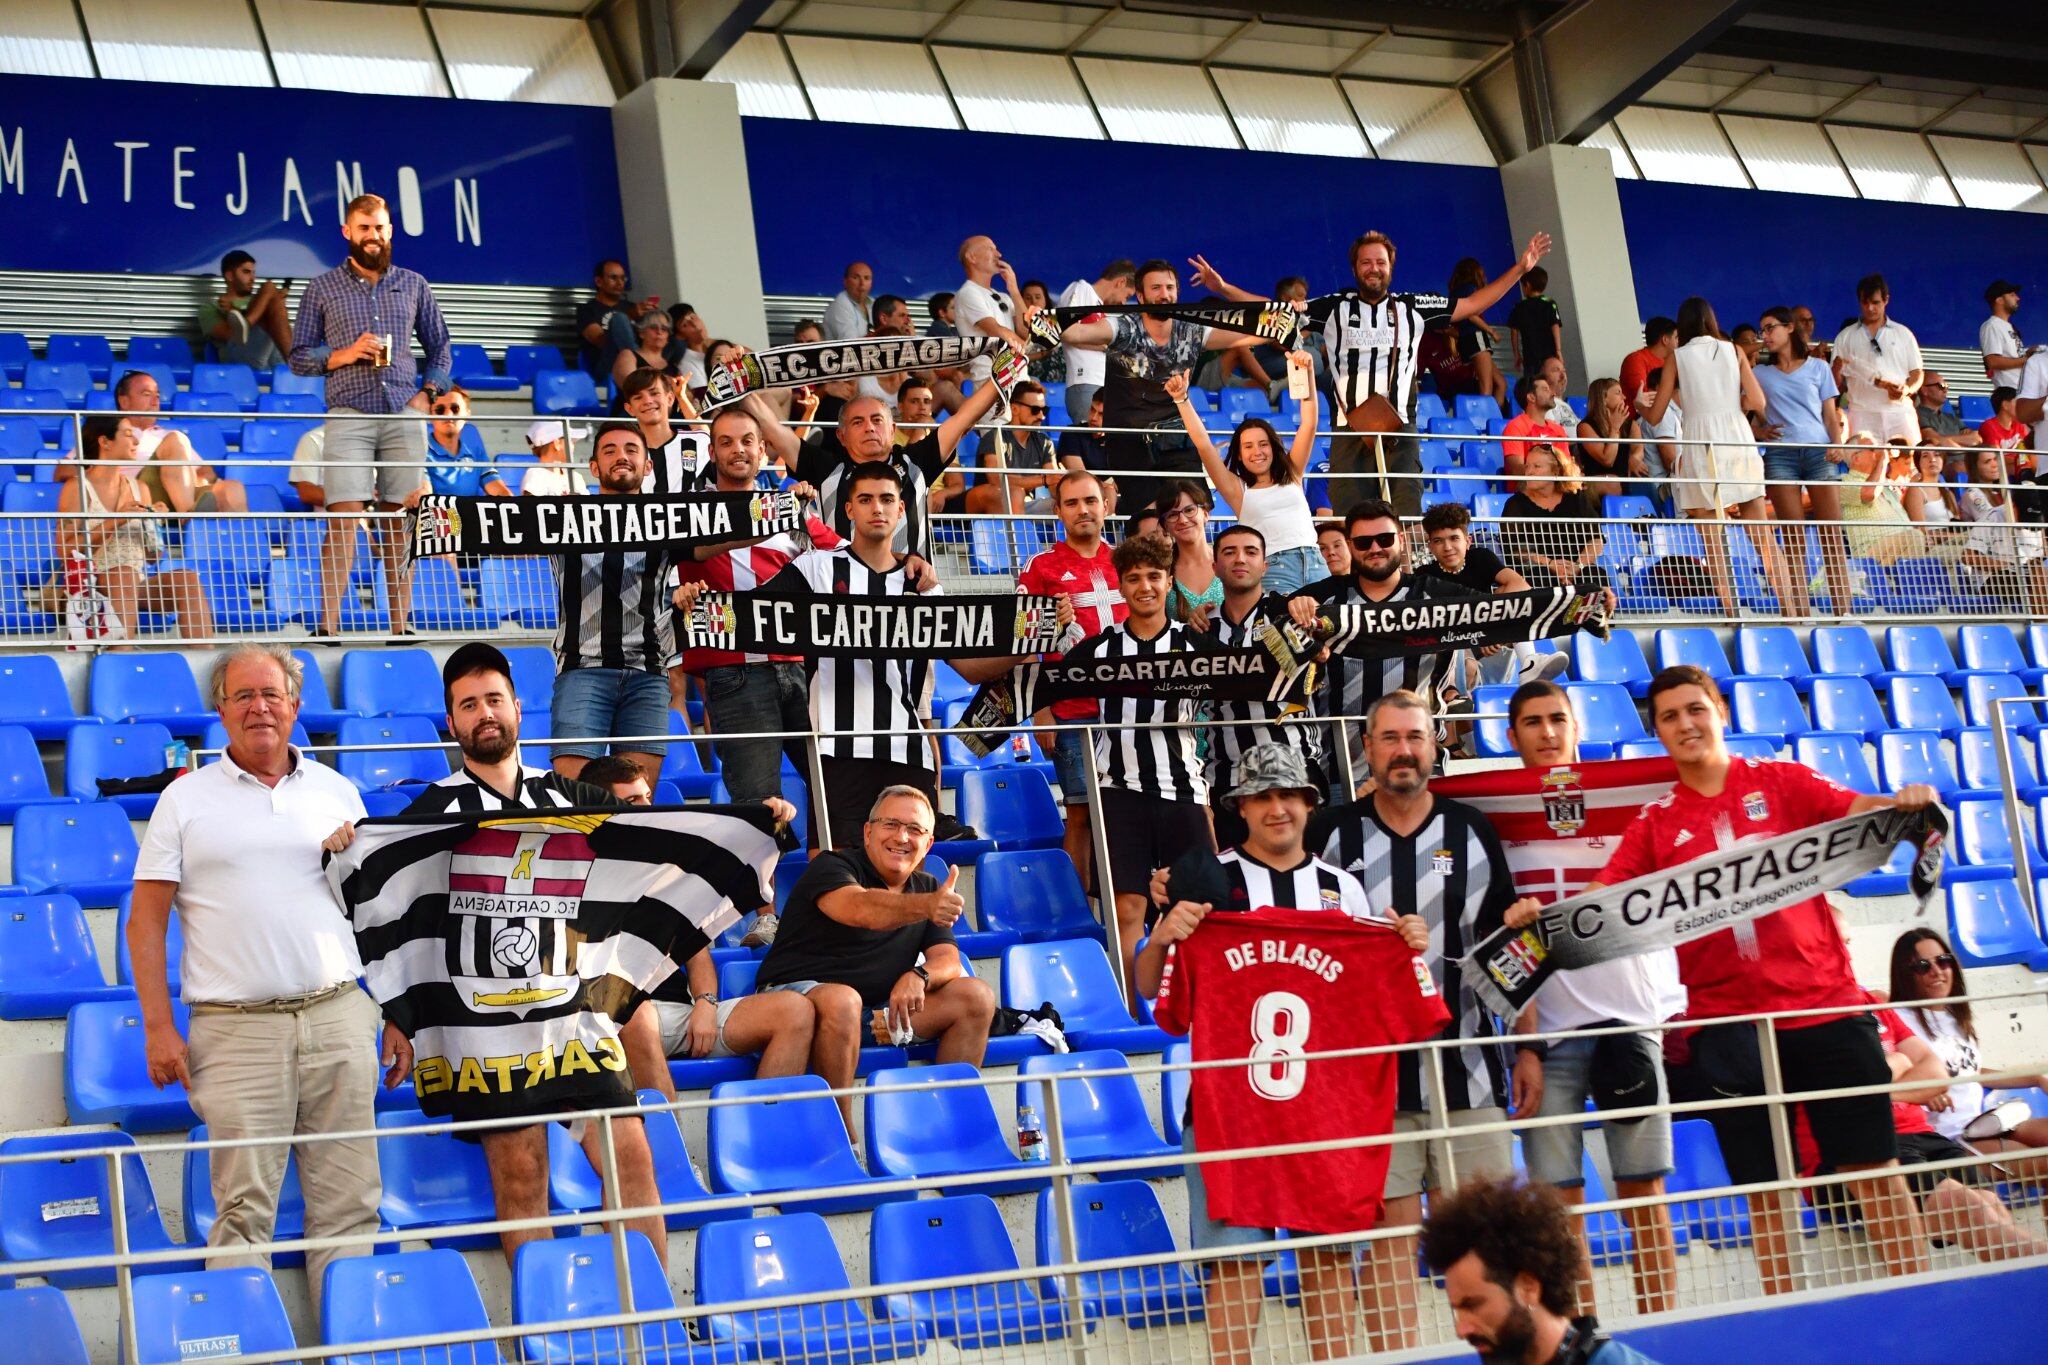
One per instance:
(471, 363)
(1839, 651)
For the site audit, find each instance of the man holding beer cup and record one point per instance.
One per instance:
(356, 325)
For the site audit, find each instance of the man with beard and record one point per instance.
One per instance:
(1508, 1258)
(1379, 562)
(356, 325)
(483, 716)
(1241, 726)
(1421, 854)
(616, 632)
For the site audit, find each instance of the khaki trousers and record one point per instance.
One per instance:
(285, 1075)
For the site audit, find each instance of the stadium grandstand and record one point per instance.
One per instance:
(1388, 467)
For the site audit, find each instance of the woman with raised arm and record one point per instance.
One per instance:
(1262, 485)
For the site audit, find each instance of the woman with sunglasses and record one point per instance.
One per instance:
(1262, 485)
(1925, 971)
(648, 352)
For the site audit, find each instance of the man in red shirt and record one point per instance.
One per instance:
(1077, 567)
(1531, 426)
(1793, 959)
(1660, 338)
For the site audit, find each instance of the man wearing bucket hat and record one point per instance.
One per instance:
(1273, 793)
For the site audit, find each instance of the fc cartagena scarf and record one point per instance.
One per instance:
(1725, 888)
(821, 362)
(977, 626)
(1437, 625)
(447, 525)
(510, 947)
(1279, 323)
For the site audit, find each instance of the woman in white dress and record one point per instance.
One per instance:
(1725, 477)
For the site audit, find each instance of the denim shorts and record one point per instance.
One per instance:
(592, 704)
(1556, 1153)
(1204, 1232)
(1289, 571)
(1807, 464)
(1072, 757)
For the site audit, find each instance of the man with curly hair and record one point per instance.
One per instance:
(1509, 1261)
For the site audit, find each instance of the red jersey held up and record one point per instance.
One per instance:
(740, 571)
(1098, 602)
(1273, 985)
(1792, 959)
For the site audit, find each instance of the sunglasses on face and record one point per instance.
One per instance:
(1924, 966)
(1028, 407)
(1383, 541)
(448, 410)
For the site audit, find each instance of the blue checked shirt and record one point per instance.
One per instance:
(340, 306)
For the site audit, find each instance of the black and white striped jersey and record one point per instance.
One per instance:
(615, 610)
(823, 464)
(1162, 763)
(1372, 346)
(863, 694)
(1452, 872)
(1241, 725)
(1315, 884)
(538, 789)
(682, 464)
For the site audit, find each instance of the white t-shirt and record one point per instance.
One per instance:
(971, 303)
(1997, 336)
(1083, 366)
(1894, 354)
(845, 320)
(309, 458)
(260, 920)
(1959, 1054)
(2033, 381)
(553, 481)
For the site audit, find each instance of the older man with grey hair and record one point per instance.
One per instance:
(867, 937)
(281, 1038)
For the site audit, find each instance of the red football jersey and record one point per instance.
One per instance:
(742, 570)
(1098, 602)
(1274, 985)
(1791, 959)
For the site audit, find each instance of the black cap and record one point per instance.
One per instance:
(1998, 289)
(474, 657)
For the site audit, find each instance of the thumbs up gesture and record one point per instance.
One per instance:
(946, 903)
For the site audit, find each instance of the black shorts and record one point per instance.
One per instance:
(1149, 832)
(851, 786)
(1855, 1130)
(1915, 1150)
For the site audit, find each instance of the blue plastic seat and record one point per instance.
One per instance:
(1699, 646)
(1102, 1115)
(90, 349)
(22, 779)
(152, 687)
(1983, 840)
(432, 1180)
(470, 365)
(521, 590)
(63, 1206)
(1905, 756)
(236, 380)
(299, 404)
(1722, 1222)
(575, 1186)
(787, 1139)
(1174, 1089)
(917, 1133)
(1115, 1219)
(52, 406)
(392, 682)
(793, 1254)
(382, 1298)
(106, 1071)
(1921, 649)
(1837, 757)
(72, 380)
(682, 763)
(188, 1316)
(1977, 763)
(372, 768)
(174, 949)
(1034, 894)
(14, 356)
(282, 380)
(533, 676)
(566, 393)
(317, 713)
(174, 353)
(1920, 701)
(1617, 659)
(1990, 927)
(1847, 651)
(1012, 806)
(1847, 705)
(566, 1278)
(1075, 976)
(200, 1212)
(40, 1326)
(1769, 708)
(1772, 652)
(960, 1235)
(1607, 716)
(524, 362)
(1981, 692)
(1491, 702)
(1995, 649)
(87, 850)
(114, 751)
(47, 959)
(439, 602)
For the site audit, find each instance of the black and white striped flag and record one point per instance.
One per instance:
(510, 947)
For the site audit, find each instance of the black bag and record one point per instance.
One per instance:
(1678, 576)
(1008, 1022)
(133, 786)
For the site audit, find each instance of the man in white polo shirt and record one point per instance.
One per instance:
(281, 1041)
(1878, 368)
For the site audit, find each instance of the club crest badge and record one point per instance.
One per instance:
(1564, 802)
(1755, 807)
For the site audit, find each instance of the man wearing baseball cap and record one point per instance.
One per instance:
(1273, 793)
(554, 477)
(2004, 353)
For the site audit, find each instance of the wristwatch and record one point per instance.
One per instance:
(708, 998)
(922, 974)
